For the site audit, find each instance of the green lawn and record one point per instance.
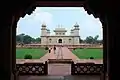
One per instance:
(87, 53)
(36, 53)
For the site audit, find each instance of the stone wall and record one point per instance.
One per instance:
(69, 46)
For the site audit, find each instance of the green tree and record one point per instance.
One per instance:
(89, 39)
(96, 39)
(20, 38)
(27, 39)
(38, 40)
(80, 40)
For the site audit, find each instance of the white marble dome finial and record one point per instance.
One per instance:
(43, 24)
(76, 24)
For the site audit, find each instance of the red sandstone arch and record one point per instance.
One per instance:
(82, 3)
(99, 8)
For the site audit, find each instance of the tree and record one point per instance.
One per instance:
(80, 40)
(38, 40)
(33, 40)
(96, 38)
(19, 38)
(27, 39)
(89, 39)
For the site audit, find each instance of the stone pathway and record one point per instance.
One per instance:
(59, 69)
(60, 53)
(48, 56)
(79, 77)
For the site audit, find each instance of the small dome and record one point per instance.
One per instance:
(43, 25)
(76, 25)
(48, 30)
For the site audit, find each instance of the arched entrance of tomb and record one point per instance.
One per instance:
(59, 40)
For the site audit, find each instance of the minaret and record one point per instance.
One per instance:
(48, 32)
(76, 30)
(72, 32)
(43, 30)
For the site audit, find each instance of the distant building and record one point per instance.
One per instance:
(60, 37)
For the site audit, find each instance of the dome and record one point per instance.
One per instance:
(76, 25)
(43, 25)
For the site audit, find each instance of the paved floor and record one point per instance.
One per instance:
(60, 53)
(59, 69)
(79, 77)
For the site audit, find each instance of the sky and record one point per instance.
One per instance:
(67, 17)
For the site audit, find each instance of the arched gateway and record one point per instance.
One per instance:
(108, 15)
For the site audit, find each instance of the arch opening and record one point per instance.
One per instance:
(59, 40)
(72, 41)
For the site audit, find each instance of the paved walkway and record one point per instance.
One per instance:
(70, 77)
(60, 53)
(48, 56)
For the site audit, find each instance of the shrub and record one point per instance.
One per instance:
(46, 48)
(29, 47)
(81, 48)
(28, 56)
(91, 57)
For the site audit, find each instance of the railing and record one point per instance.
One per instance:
(32, 68)
(86, 68)
(76, 69)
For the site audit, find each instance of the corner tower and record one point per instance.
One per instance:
(43, 30)
(76, 30)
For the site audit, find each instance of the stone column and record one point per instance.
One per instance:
(105, 48)
(6, 50)
(14, 49)
(113, 44)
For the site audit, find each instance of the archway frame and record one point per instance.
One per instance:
(83, 3)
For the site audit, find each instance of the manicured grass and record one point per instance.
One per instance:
(36, 53)
(87, 53)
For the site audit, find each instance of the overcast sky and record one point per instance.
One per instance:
(65, 16)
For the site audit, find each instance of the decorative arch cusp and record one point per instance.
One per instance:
(92, 7)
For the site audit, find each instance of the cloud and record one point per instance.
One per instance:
(38, 16)
(33, 22)
(43, 17)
